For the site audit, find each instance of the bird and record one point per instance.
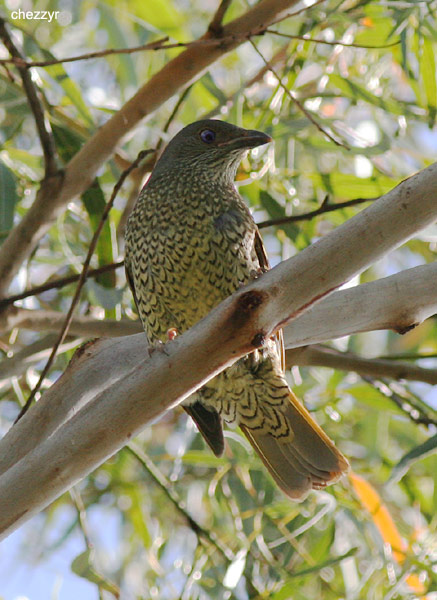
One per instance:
(191, 242)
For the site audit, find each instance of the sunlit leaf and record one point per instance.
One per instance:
(428, 75)
(83, 566)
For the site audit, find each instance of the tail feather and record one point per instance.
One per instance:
(307, 461)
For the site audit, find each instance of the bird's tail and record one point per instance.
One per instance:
(305, 460)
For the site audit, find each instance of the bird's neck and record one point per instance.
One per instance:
(202, 177)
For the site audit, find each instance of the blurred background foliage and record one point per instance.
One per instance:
(164, 518)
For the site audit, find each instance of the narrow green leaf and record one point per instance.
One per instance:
(71, 89)
(213, 89)
(136, 516)
(94, 202)
(108, 298)
(419, 452)
(67, 142)
(126, 73)
(287, 590)
(428, 76)
(372, 397)
(356, 92)
(347, 186)
(276, 211)
(8, 199)
(83, 567)
(377, 25)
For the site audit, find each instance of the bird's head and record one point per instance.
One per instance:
(210, 146)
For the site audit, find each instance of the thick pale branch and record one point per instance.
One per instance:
(398, 302)
(322, 356)
(352, 247)
(102, 401)
(81, 170)
(51, 320)
(93, 410)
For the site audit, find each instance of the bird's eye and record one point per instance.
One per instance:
(207, 136)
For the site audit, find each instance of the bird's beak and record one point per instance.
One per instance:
(249, 138)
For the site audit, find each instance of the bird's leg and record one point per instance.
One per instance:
(156, 345)
(172, 333)
(159, 345)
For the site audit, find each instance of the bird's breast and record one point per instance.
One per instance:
(193, 255)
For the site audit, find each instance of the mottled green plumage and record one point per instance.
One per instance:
(190, 243)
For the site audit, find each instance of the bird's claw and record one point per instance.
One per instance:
(156, 346)
(253, 274)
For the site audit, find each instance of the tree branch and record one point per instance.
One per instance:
(162, 482)
(101, 402)
(399, 302)
(415, 410)
(52, 320)
(216, 27)
(325, 207)
(306, 38)
(322, 356)
(56, 284)
(81, 170)
(20, 62)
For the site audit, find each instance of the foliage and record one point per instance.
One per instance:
(182, 523)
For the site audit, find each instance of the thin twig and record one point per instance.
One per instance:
(158, 45)
(19, 61)
(320, 41)
(296, 12)
(58, 283)
(101, 581)
(44, 133)
(216, 27)
(165, 486)
(299, 104)
(407, 405)
(82, 278)
(325, 356)
(325, 207)
(279, 58)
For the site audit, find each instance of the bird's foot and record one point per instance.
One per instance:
(253, 274)
(156, 346)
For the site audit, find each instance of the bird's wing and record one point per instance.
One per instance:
(130, 280)
(265, 266)
(209, 424)
(308, 461)
(260, 250)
